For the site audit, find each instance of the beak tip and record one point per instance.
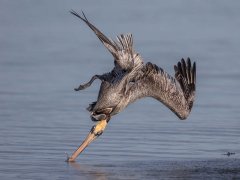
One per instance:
(70, 160)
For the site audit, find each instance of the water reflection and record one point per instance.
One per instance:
(222, 168)
(88, 171)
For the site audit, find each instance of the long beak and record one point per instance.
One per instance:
(96, 131)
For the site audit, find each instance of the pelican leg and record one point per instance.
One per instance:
(86, 85)
(95, 132)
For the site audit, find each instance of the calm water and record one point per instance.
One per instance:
(45, 52)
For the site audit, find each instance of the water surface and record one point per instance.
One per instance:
(45, 52)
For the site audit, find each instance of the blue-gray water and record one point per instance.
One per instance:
(45, 52)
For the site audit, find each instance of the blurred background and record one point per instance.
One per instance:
(45, 52)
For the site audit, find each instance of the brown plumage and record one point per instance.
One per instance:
(131, 79)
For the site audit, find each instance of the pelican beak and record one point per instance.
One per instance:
(96, 131)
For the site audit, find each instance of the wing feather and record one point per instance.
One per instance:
(176, 93)
(108, 43)
(122, 49)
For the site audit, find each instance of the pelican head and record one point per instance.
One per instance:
(110, 102)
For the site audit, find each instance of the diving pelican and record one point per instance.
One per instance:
(131, 79)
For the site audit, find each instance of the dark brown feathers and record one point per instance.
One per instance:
(185, 73)
(121, 49)
(107, 42)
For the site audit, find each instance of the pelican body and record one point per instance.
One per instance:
(132, 79)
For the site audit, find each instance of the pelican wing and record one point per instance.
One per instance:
(176, 93)
(122, 49)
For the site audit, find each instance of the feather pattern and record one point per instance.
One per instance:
(177, 94)
(131, 79)
(121, 49)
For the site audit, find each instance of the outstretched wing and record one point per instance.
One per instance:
(122, 49)
(176, 93)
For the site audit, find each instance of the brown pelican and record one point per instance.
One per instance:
(131, 79)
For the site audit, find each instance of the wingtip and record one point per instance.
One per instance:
(77, 15)
(195, 64)
(73, 12)
(84, 15)
(175, 68)
(189, 62)
(194, 72)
